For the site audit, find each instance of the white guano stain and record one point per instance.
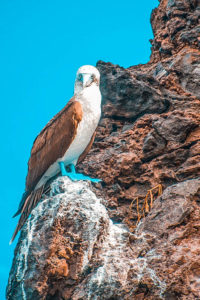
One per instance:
(23, 252)
(75, 201)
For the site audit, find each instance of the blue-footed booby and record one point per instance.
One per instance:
(64, 141)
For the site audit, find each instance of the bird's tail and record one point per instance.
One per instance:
(21, 204)
(27, 204)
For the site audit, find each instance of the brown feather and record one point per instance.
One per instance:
(30, 203)
(53, 141)
(21, 204)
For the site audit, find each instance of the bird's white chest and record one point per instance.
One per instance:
(90, 102)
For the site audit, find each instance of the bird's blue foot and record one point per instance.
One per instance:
(73, 175)
(79, 176)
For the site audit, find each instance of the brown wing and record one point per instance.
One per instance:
(53, 141)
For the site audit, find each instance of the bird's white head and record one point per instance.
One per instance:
(86, 76)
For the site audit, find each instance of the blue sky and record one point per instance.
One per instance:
(42, 44)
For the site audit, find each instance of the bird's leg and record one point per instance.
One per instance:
(73, 175)
(78, 176)
(72, 168)
(62, 169)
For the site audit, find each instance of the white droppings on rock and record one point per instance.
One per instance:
(25, 244)
(103, 260)
(113, 260)
(79, 198)
(144, 263)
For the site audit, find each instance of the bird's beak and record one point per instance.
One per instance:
(86, 79)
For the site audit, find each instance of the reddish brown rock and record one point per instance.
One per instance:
(175, 25)
(84, 246)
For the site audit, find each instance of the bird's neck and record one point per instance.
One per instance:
(89, 97)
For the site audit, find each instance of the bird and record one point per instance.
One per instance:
(64, 141)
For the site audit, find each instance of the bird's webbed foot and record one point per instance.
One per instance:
(75, 176)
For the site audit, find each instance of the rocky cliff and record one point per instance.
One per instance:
(136, 234)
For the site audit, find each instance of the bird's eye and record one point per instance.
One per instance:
(92, 77)
(80, 77)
